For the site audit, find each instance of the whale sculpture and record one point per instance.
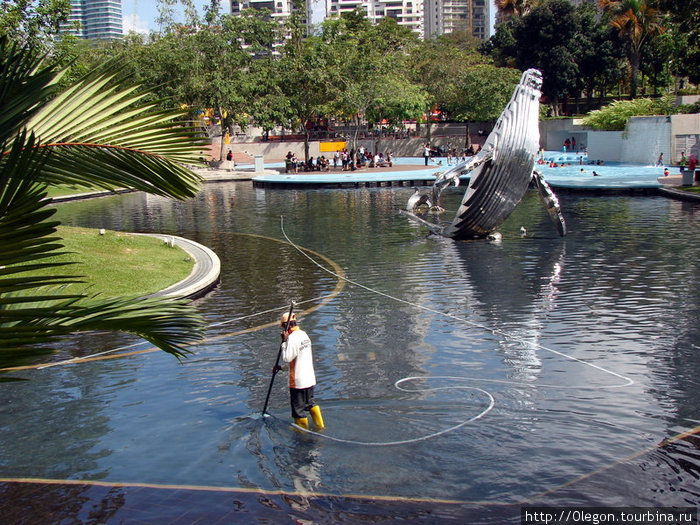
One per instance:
(500, 173)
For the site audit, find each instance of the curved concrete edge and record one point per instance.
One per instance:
(680, 194)
(89, 195)
(205, 274)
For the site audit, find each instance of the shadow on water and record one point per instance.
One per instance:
(547, 328)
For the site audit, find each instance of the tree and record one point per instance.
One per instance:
(33, 23)
(636, 22)
(482, 93)
(502, 46)
(657, 54)
(307, 73)
(515, 7)
(685, 17)
(600, 53)
(370, 60)
(546, 40)
(97, 133)
(439, 65)
(212, 66)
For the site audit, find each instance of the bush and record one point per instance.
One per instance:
(690, 108)
(614, 116)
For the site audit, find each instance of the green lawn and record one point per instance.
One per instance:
(691, 189)
(121, 264)
(63, 189)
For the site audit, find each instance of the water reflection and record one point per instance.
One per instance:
(619, 292)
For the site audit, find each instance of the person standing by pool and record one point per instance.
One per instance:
(296, 350)
(660, 160)
(426, 153)
(683, 162)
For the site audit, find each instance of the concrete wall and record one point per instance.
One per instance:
(685, 130)
(645, 138)
(412, 147)
(640, 143)
(605, 145)
(553, 134)
(687, 99)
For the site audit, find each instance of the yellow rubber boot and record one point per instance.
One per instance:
(317, 417)
(303, 422)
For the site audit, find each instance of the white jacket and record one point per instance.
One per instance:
(297, 352)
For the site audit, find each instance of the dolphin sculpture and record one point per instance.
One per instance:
(500, 173)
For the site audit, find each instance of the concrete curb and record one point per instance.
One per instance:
(205, 274)
(225, 175)
(89, 195)
(680, 194)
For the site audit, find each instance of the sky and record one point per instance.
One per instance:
(140, 15)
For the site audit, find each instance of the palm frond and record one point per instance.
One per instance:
(105, 135)
(25, 228)
(69, 139)
(169, 324)
(24, 87)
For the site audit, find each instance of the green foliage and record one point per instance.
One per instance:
(614, 116)
(96, 133)
(689, 108)
(473, 103)
(636, 21)
(366, 64)
(32, 22)
(548, 38)
(600, 52)
(685, 24)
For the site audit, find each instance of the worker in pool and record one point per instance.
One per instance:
(296, 350)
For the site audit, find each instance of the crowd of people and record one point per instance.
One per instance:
(343, 160)
(449, 150)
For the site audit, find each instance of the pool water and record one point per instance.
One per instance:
(479, 375)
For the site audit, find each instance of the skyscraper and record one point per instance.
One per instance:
(428, 18)
(448, 16)
(95, 19)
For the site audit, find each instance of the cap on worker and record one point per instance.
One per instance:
(285, 317)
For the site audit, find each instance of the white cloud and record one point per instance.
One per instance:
(132, 22)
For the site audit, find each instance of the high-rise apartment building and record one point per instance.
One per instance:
(476, 17)
(280, 9)
(428, 18)
(95, 19)
(407, 13)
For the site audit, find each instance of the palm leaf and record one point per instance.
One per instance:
(70, 140)
(24, 87)
(105, 135)
(168, 324)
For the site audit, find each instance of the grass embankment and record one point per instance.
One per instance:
(60, 190)
(119, 264)
(690, 189)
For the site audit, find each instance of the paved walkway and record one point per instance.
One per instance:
(205, 273)
(670, 185)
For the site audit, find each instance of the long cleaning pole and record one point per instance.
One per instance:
(277, 362)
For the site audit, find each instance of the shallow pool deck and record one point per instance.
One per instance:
(573, 177)
(397, 175)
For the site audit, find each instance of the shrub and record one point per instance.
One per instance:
(690, 108)
(614, 116)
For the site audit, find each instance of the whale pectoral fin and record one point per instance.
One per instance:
(550, 201)
(477, 160)
(416, 200)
